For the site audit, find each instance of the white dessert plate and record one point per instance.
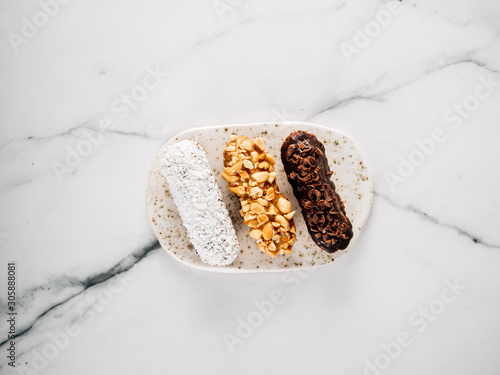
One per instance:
(350, 176)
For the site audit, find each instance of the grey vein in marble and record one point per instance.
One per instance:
(436, 221)
(379, 97)
(122, 266)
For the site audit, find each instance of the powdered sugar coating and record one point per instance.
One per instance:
(199, 202)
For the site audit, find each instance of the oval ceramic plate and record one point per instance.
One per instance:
(350, 176)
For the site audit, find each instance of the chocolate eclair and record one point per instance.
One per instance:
(307, 169)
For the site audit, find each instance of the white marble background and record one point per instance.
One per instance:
(96, 295)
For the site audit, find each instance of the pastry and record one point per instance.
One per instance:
(199, 202)
(307, 169)
(250, 174)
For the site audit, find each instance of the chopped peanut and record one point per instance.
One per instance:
(250, 174)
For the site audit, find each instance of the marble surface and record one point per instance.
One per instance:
(92, 89)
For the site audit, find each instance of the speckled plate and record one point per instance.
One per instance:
(350, 175)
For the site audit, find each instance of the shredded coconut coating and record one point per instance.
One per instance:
(199, 202)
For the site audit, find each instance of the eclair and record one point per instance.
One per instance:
(199, 202)
(250, 174)
(307, 170)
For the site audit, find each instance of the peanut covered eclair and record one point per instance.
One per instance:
(250, 174)
(307, 169)
(199, 202)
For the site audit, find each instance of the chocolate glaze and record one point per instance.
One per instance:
(307, 169)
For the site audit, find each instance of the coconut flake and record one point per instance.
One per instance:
(199, 202)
